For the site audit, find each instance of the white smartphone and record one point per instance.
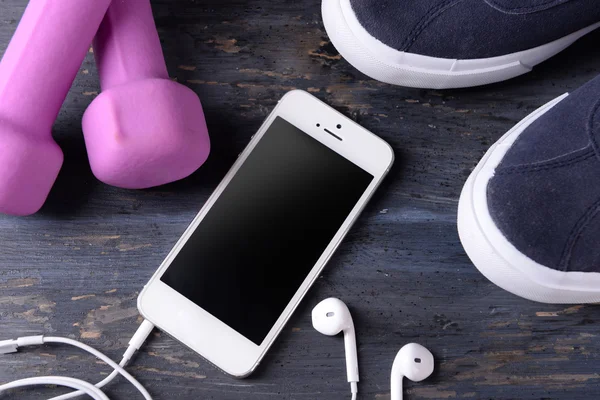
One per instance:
(241, 268)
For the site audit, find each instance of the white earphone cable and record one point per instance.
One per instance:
(9, 346)
(99, 385)
(101, 356)
(81, 386)
(135, 343)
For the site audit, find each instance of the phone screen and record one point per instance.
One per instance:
(263, 235)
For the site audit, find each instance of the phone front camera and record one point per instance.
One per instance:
(339, 126)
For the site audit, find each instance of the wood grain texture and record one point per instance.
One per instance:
(76, 267)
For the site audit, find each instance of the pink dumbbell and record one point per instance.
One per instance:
(143, 130)
(36, 73)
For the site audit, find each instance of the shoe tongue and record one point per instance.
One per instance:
(578, 117)
(568, 127)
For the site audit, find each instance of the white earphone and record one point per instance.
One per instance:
(330, 317)
(414, 362)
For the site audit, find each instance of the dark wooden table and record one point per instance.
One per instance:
(76, 268)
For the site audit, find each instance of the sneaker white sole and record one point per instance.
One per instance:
(385, 64)
(495, 257)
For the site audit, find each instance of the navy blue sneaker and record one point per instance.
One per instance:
(529, 214)
(454, 43)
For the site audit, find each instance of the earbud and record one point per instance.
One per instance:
(412, 361)
(330, 317)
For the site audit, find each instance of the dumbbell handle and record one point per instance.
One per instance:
(43, 58)
(127, 47)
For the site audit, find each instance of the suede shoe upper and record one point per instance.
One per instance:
(471, 29)
(545, 194)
